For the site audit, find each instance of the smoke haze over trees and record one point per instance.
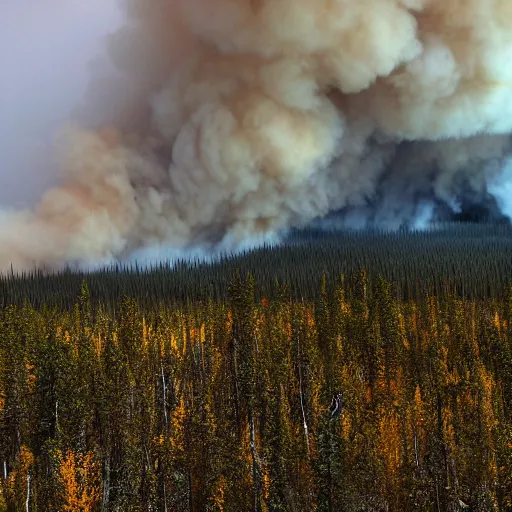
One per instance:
(221, 123)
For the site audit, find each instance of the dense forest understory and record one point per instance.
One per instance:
(119, 401)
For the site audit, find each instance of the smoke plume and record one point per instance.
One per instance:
(217, 122)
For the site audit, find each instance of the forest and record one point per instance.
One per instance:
(208, 386)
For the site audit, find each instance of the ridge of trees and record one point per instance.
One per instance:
(471, 259)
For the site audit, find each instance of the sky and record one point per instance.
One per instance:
(45, 48)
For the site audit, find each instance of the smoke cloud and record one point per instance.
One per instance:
(212, 123)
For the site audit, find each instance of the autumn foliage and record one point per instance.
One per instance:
(224, 405)
(80, 478)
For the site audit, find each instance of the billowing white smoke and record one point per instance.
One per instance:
(227, 120)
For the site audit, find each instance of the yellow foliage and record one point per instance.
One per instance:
(174, 342)
(159, 440)
(144, 333)
(80, 478)
(497, 322)
(98, 345)
(178, 418)
(390, 441)
(19, 475)
(310, 320)
(402, 330)
(396, 387)
(266, 483)
(418, 406)
(229, 321)
(218, 495)
(26, 458)
(346, 425)
(487, 409)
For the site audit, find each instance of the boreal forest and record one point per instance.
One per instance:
(357, 371)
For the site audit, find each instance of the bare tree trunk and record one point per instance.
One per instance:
(237, 390)
(56, 416)
(437, 497)
(255, 459)
(305, 424)
(165, 499)
(164, 391)
(416, 449)
(190, 495)
(27, 502)
(106, 486)
(302, 408)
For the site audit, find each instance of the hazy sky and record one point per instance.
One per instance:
(44, 50)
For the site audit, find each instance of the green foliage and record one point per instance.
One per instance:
(222, 403)
(471, 259)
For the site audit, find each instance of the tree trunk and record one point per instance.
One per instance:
(254, 457)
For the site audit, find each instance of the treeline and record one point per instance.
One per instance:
(472, 259)
(224, 405)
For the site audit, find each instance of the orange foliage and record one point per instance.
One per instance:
(80, 478)
(145, 333)
(218, 495)
(390, 441)
(266, 483)
(419, 407)
(178, 419)
(31, 378)
(97, 342)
